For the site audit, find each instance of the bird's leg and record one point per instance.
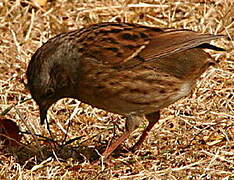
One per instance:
(152, 118)
(132, 122)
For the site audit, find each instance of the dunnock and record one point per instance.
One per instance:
(128, 69)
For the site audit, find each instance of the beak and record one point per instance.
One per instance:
(43, 107)
(43, 113)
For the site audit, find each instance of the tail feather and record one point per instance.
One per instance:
(177, 41)
(209, 46)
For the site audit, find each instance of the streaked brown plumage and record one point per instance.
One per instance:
(129, 69)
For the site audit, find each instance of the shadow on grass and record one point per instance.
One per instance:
(33, 154)
(30, 155)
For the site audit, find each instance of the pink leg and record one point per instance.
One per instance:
(132, 122)
(114, 145)
(152, 118)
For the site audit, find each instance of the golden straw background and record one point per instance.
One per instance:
(194, 138)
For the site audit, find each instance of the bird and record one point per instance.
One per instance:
(129, 69)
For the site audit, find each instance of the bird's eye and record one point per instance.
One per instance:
(49, 92)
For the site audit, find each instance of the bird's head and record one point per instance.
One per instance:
(47, 84)
(44, 95)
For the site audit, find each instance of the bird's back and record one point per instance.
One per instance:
(121, 67)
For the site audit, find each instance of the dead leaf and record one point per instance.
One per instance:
(9, 132)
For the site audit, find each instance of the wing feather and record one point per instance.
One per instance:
(172, 42)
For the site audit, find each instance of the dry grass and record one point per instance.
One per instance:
(195, 136)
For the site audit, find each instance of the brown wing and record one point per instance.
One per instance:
(176, 41)
(116, 43)
(131, 44)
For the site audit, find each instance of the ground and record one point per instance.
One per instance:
(194, 138)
